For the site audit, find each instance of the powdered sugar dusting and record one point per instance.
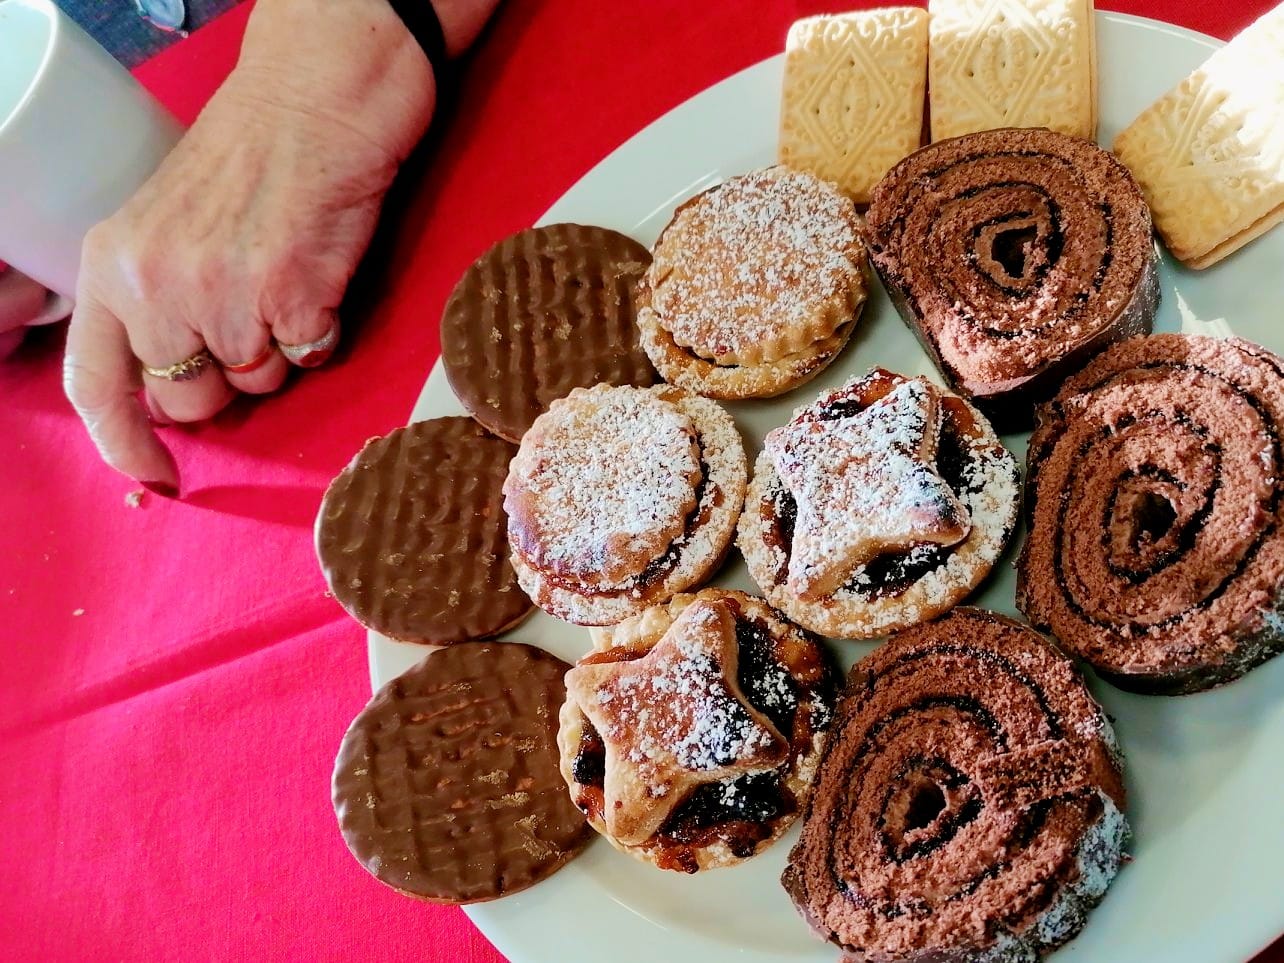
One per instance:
(989, 498)
(759, 267)
(865, 484)
(603, 483)
(988, 493)
(682, 708)
(696, 550)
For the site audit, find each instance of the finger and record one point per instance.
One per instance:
(10, 340)
(307, 339)
(248, 344)
(159, 345)
(100, 376)
(158, 417)
(187, 401)
(266, 378)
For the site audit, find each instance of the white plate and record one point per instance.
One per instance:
(1204, 771)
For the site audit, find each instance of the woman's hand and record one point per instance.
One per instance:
(250, 230)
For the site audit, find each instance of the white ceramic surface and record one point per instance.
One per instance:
(78, 135)
(1204, 771)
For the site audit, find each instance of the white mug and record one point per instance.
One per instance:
(78, 136)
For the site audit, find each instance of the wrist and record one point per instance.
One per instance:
(349, 63)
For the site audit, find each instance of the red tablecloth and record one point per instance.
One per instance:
(175, 679)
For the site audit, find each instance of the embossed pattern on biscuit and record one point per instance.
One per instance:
(1012, 63)
(544, 311)
(1156, 499)
(969, 803)
(853, 95)
(1209, 154)
(412, 536)
(447, 785)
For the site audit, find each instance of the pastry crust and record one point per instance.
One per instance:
(916, 586)
(814, 681)
(764, 268)
(736, 382)
(583, 505)
(686, 560)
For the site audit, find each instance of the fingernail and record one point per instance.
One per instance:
(163, 489)
(314, 359)
(157, 416)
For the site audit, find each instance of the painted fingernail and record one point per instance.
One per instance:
(163, 489)
(314, 359)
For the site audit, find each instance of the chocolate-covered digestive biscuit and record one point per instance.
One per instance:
(412, 536)
(542, 312)
(447, 786)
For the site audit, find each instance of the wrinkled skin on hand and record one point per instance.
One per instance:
(251, 229)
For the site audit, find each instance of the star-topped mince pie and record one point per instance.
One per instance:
(690, 735)
(619, 497)
(865, 484)
(880, 505)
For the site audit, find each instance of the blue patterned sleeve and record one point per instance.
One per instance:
(120, 26)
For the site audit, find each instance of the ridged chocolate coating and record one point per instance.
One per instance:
(542, 312)
(447, 784)
(1156, 504)
(1014, 256)
(413, 539)
(969, 803)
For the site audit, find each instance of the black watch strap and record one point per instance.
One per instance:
(420, 18)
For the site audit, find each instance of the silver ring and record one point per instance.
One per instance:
(312, 352)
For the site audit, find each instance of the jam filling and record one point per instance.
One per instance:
(891, 573)
(741, 812)
(661, 566)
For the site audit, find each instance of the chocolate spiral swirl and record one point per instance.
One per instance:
(1156, 551)
(969, 802)
(1014, 255)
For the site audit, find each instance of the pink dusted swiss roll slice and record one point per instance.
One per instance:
(1156, 496)
(1014, 255)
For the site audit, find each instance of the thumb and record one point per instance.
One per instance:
(101, 378)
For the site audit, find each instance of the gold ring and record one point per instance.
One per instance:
(245, 367)
(313, 352)
(189, 369)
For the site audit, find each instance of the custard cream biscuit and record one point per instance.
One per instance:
(854, 94)
(1209, 154)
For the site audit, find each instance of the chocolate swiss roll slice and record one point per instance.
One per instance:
(1155, 550)
(1014, 255)
(969, 802)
